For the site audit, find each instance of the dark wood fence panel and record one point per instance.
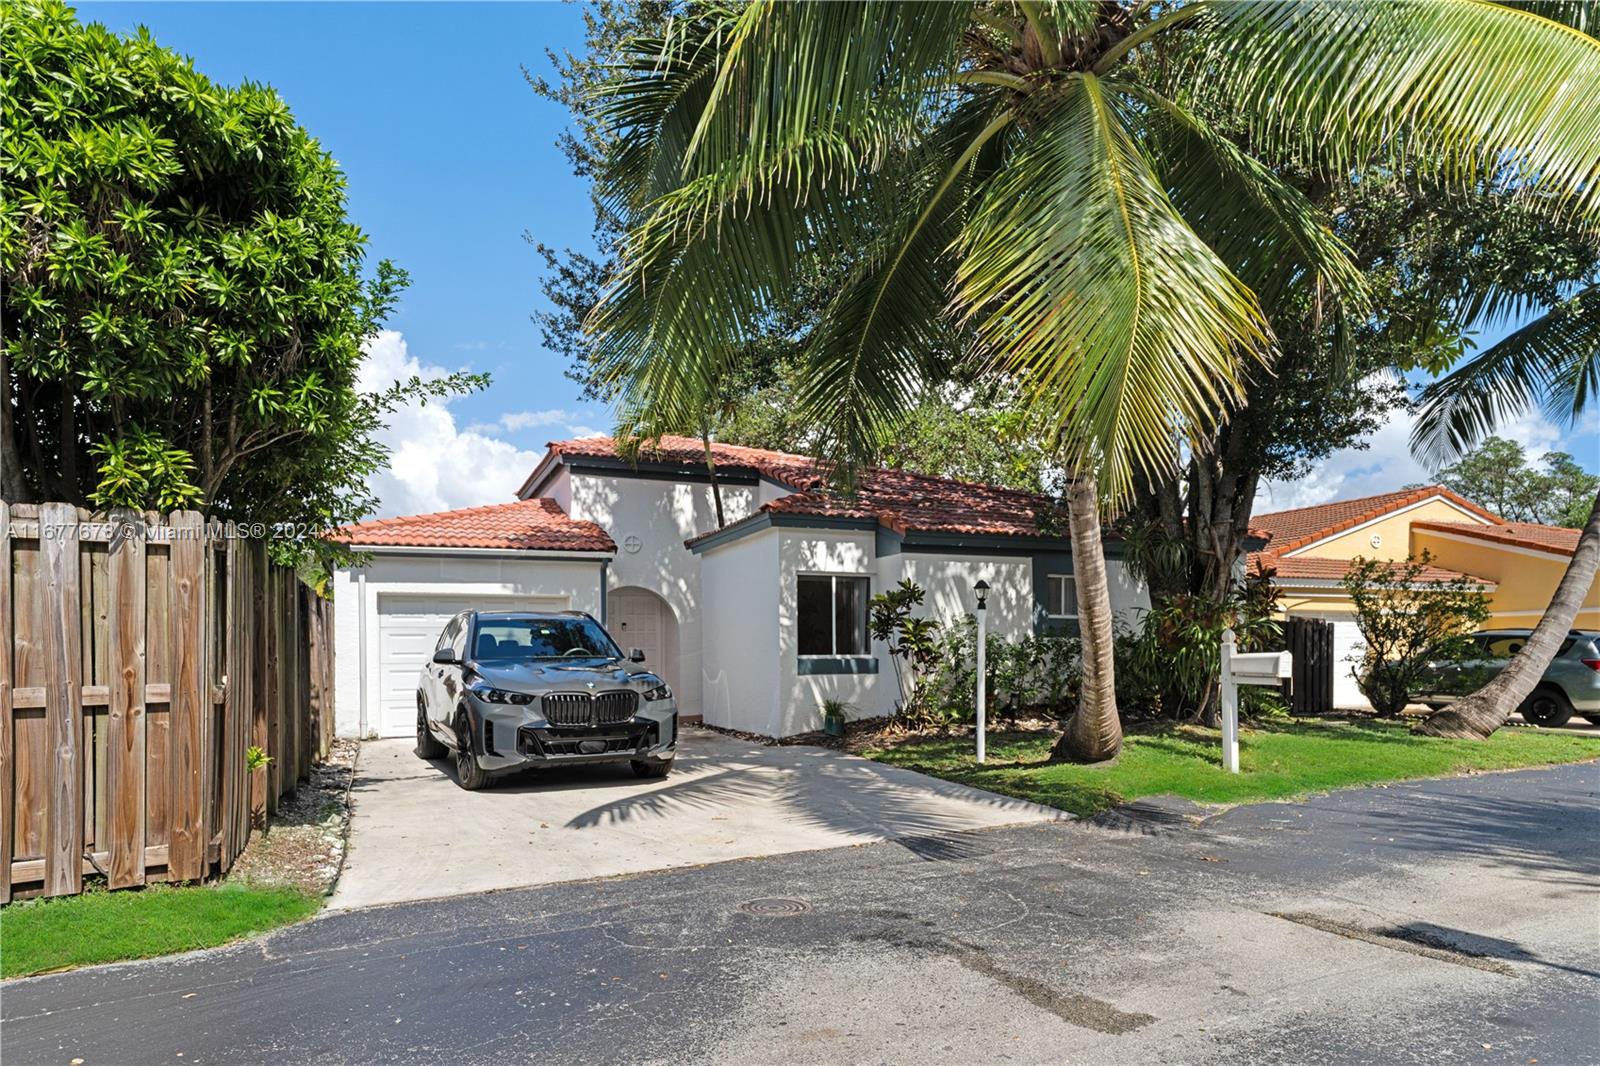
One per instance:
(1310, 641)
(141, 656)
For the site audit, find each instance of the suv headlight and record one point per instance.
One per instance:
(489, 694)
(659, 691)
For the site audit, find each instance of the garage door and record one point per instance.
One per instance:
(408, 630)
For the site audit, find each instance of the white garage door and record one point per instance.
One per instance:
(408, 630)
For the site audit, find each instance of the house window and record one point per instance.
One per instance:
(833, 615)
(1060, 596)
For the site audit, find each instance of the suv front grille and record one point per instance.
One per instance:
(581, 708)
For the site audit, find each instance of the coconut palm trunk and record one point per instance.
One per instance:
(1094, 733)
(1487, 709)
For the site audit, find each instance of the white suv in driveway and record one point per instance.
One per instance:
(513, 690)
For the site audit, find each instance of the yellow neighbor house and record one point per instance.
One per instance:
(1307, 550)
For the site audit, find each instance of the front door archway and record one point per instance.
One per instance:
(638, 618)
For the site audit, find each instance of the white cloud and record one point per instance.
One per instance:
(433, 465)
(1387, 465)
(571, 422)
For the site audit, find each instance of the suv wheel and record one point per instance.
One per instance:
(469, 775)
(642, 768)
(1546, 707)
(428, 746)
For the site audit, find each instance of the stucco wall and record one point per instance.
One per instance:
(478, 580)
(650, 519)
(947, 581)
(1393, 530)
(1526, 579)
(740, 656)
(822, 551)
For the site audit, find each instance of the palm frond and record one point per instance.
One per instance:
(1122, 327)
(1472, 85)
(866, 359)
(1553, 362)
(1266, 230)
(790, 72)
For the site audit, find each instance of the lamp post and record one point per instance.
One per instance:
(982, 589)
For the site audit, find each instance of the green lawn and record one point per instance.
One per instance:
(100, 926)
(1277, 762)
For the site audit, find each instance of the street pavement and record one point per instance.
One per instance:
(1442, 921)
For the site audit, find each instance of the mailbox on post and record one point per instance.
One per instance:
(1245, 668)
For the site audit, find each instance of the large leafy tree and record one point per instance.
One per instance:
(184, 306)
(1027, 171)
(1497, 475)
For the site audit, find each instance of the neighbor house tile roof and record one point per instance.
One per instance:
(1307, 568)
(533, 525)
(1517, 534)
(1288, 530)
(902, 501)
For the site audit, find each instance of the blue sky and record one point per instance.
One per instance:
(450, 158)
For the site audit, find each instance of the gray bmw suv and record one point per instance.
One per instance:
(510, 691)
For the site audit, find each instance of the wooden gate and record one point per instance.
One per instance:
(1310, 690)
(141, 656)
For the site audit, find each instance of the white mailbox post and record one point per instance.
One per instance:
(1245, 668)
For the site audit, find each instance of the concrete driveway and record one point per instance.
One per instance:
(415, 835)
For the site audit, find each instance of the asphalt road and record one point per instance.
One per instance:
(1445, 921)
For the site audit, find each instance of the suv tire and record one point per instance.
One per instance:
(1547, 707)
(642, 768)
(428, 746)
(469, 775)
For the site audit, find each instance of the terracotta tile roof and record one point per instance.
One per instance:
(1518, 534)
(897, 499)
(1307, 568)
(532, 525)
(1288, 530)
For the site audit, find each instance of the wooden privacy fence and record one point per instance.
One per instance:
(1310, 690)
(141, 656)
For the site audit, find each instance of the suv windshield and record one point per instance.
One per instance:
(541, 638)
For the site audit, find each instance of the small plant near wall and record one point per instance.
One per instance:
(913, 645)
(1409, 622)
(834, 715)
(255, 759)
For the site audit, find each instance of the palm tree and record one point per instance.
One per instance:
(1554, 361)
(1035, 185)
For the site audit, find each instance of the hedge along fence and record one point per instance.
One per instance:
(141, 656)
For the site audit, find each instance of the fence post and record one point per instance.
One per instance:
(8, 799)
(187, 851)
(63, 665)
(125, 772)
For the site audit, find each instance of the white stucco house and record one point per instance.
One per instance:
(753, 624)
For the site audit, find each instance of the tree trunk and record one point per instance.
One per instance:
(1487, 709)
(13, 485)
(711, 472)
(1094, 733)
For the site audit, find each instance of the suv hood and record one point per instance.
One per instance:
(555, 675)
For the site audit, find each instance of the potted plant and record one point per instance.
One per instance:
(833, 717)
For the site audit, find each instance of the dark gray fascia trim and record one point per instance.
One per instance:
(836, 664)
(996, 544)
(657, 471)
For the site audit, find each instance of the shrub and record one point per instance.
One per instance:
(1407, 623)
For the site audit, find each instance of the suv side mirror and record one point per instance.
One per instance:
(636, 655)
(446, 657)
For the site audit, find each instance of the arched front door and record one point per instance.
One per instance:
(638, 618)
